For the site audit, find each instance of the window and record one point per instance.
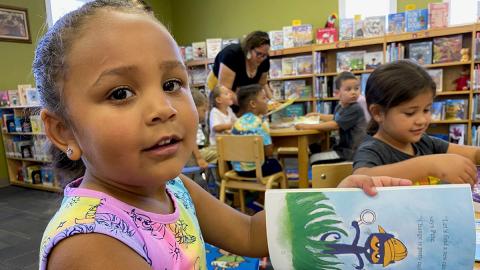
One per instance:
(58, 8)
(366, 8)
(462, 11)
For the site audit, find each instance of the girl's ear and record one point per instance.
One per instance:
(252, 103)
(60, 135)
(377, 113)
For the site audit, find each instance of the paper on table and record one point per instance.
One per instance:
(283, 105)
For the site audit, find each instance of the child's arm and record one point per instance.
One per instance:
(323, 117)
(198, 157)
(268, 150)
(470, 152)
(222, 127)
(325, 126)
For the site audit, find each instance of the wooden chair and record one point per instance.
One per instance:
(245, 149)
(330, 175)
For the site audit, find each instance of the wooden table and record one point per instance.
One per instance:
(290, 137)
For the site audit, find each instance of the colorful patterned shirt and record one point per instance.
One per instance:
(171, 241)
(250, 124)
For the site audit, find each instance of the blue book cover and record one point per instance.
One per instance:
(416, 20)
(417, 227)
(421, 52)
(220, 259)
(396, 23)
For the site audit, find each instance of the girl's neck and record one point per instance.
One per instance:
(223, 108)
(150, 199)
(405, 147)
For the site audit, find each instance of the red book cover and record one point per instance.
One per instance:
(326, 35)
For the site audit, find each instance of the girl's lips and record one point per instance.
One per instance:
(164, 150)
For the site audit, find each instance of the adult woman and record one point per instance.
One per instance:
(243, 64)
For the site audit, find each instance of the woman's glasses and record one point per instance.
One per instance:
(260, 54)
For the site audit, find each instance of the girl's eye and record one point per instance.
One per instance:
(121, 93)
(172, 85)
(409, 113)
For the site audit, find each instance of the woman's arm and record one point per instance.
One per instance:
(226, 77)
(264, 83)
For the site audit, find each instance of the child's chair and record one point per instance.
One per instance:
(207, 177)
(330, 175)
(245, 149)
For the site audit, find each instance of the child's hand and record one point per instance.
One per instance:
(455, 169)
(312, 114)
(302, 126)
(368, 183)
(202, 163)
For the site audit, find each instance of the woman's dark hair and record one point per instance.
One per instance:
(346, 75)
(254, 40)
(50, 66)
(247, 93)
(392, 84)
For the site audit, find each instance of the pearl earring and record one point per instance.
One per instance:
(249, 55)
(69, 152)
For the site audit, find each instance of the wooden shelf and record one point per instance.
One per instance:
(199, 62)
(289, 51)
(453, 93)
(305, 76)
(36, 186)
(29, 159)
(336, 73)
(23, 133)
(449, 122)
(429, 33)
(448, 64)
(350, 43)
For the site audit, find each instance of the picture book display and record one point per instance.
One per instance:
(437, 76)
(214, 46)
(276, 39)
(421, 52)
(374, 26)
(350, 60)
(416, 20)
(447, 49)
(403, 228)
(438, 13)
(326, 35)
(358, 31)
(456, 133)
(346, 29)
(373, 60)
(396, 23)
(302, 35)
(199, 50)
(287, 37)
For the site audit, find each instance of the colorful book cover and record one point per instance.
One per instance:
(373, 60)
(199, 50)
(221, 259)
(350, 60)
(304, 64)
(374, 26)
(277, 89)
(447, 49)
(396, 23)
(455, 109)
(33, 97)
(22, 93)
(289, 66)
(403, 228)
(438, 13)
(276, 39)
(438, 112)
(302, 35)
(4, 99)
(421, 52)
(295, 87)
(456, 133)
(294, 110)
(358, 31)
(326, 35)
(416, 20)
(13, 97)
(287, 37)
(437, 76)
(214, 45)
(346, 29)
(275, 68)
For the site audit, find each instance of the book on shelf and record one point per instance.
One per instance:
(456, 133)
(294, 87)
(4, 102)
(319, 64)
(420, 52)
(22, 93)
(294, 110)
(277, 89)
(404, 228)
(438, 111)
(373, 60)
(36, 123)
(350, 61)
(363, 82)
(275, 68)
(199, 50)
(228, 41)
(188, 53)
(326, 35)
(438, 15)
(13, 97)
(8, 122)
(396, 23)
(214, 46)
(455, 109)
(477, 46)
(358, 28)
(437, 77)
(447, 49)
(302, 35)
(416, 20)
(32, 96)
(346, 29)
(289, 66)
(33, 174)
(374, 26)
(287, 37)
(304, 64)
(47, 176)
(276, 39)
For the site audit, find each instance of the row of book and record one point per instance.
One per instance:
(476, 135)
(449, 109)
(28, 148)
(20, 123)
(291, 66)
(24, 95)
(476, 77)
(284, 89)
(207, 49)
(358, 60)
(476, 108)
(36, 174)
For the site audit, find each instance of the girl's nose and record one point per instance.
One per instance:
(160, 109)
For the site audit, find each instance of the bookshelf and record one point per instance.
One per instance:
(198, 71)
(323, 75)
(24, 138)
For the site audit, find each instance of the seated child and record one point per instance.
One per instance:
(202, 152)
(348, 118)
(400, 96)
(221, 116)
(252, 102)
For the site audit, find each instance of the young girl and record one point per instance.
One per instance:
(400, 96)
(252, 102)
(123, 123)
(221, 116)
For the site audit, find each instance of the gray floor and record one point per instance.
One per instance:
(24, 214)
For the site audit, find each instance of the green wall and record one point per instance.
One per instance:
(163, 11)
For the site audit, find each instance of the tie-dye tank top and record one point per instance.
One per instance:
(172, 241)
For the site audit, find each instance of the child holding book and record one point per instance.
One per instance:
(221, 117)
(348, 119)
(400, 97)
(252, 102)
(123, 126)
(203, 154)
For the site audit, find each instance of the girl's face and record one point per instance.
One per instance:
(127, 97)
(405, 123)
(225, 97)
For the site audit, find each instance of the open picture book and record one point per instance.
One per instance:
(415, 227)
